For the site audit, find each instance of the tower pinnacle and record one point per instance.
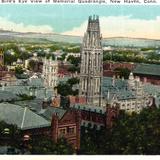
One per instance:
(91, 71)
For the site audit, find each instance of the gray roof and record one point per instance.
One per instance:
(34, 82)
(147, 69)
(7, 96)
(47, 113)
(20, 89)
(23, 117)
(119, 89)
(89, 108)
(35, 104)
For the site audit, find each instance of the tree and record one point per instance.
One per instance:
(19, 70)
(32, 64)
(123, 72)
(65, 89)
(74, 69)
(131, 134)
(45, 145)
(73, 81)
(74, 60)
(9, 134)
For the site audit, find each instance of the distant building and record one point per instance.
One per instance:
(148, 73)
(109, 67)
(50, 72)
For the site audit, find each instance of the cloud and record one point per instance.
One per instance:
(6, 24)
(123, 26)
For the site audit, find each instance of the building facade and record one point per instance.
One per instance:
(68, 127)
(50, 73)
(128, 94)
(91, 70)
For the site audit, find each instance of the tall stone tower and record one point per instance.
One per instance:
(50, 73)
(91, 71)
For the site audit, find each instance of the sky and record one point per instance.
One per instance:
(115, 21)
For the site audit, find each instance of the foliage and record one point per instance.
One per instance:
(74, 49)
(123, 72)
(9, 133)
(9, 58)
(19, 70)
(50, 56)
(63, 56)
(65, 88)
(147, 49)
(74, 60)
(131, 134)
(45, 145)
(32, 64)
(73, 81)
(131, 56)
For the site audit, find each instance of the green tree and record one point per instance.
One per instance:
(32, 64)
(123, 72)
(19, 70)
(131, 134)
(74, 60)
(45, 145)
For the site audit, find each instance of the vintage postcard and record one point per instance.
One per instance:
(79, 77)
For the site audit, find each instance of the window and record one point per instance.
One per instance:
(70, 130)
(62, 131)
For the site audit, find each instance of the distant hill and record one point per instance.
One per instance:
(45, 38)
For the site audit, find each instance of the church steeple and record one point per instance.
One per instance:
(92, 38)
(91, 71)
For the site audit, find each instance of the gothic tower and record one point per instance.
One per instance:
(91, 71)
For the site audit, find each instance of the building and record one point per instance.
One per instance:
(148, 73)
(24, 118)
(67, 125)
(130, 94)
(91, 69)
(109, 67)
(50, 72)
(34, 119)
(97, 117)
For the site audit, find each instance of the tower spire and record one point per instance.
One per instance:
(91, 72)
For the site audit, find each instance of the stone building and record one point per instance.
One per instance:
(91, 70)
(129, 94)
(50, 73)
(149, 73)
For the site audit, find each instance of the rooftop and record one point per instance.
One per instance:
(23, 117)
(48, 112)
(148, 69)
